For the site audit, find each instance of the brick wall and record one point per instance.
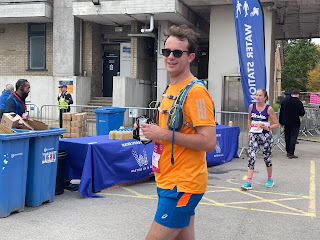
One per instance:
(96, 81)
(14, 50)
(92, 60)
(87, 48)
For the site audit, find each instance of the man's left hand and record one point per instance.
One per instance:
(152, 131)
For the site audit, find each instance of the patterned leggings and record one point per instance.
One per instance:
(264, 142)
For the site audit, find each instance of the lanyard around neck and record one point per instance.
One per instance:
(25, 108)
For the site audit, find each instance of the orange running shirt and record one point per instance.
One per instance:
(189, 172)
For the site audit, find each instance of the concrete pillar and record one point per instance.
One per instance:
(162, 74)
(223, 54)
(269, 29)
(63, 38)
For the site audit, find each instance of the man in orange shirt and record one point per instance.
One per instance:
(181, 181)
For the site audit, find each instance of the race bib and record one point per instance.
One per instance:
(157, 150)
(25, 115)
(256, 126)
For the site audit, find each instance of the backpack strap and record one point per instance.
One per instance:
(178, 104)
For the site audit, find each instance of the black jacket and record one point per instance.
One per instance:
(13, 104)
(290, 111)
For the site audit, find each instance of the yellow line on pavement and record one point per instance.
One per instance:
(258, 210)
(217, 191)
(255, 191)
(310, 140)
(312, 189)
(231, 181)
(54, 123)
(270, 201)
(136, 193)
(131, 196)
(214, 202)
(266, 200)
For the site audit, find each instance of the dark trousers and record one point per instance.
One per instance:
(291, 135)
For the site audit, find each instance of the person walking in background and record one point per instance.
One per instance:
(64, 100)
(4, 97)
(17, 101)
(181, 172)
(260, 135)
(290, 111)
(287, 94)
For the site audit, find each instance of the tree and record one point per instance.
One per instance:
(314, 79)
(301, 56)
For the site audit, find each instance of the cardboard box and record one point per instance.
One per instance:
(67, 128)
(79, 116)
(77, 123)
(13, 120)
(84, 134)
(66, 123)
(10, 120)
(37, 125)
(5, 129)
(67, 116)
(76, 135)
(76, 130)
(67, 135)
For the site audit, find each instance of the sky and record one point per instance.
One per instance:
(316, 41)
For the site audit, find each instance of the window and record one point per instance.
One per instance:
(37, 46)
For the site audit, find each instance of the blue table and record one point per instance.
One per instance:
(101, 163)
(226, 147)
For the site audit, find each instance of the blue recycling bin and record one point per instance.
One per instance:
(42, 166)
(108, 118)
(14, 150)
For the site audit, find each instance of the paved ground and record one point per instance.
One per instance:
(290, 210)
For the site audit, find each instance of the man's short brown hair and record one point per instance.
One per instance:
(295, 92)
(183, 32)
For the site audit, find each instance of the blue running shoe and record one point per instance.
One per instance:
(269, 183)
(246, 186)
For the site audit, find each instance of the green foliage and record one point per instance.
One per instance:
(276, 107)
(301, 56)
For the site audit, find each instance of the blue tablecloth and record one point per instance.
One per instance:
(226, 147)
(101, 163)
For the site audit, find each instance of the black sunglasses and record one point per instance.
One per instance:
(176, 53)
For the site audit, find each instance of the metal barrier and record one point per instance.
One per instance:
(311, 121)
(50, 114)
(278, 136)
(132, 113)
(239, 119)
(33, 111)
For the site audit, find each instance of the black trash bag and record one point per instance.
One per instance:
(61, 167)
